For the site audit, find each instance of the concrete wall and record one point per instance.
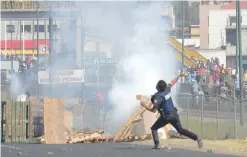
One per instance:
(189, 42)
(204, 12)
(217, 26)
(221, 54)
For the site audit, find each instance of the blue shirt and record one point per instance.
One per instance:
(163, 101)
(237, 86)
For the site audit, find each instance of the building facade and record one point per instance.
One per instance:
(219, 26)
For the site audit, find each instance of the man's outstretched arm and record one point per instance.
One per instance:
(175, 80)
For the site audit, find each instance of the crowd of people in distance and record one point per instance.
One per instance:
(214, 74)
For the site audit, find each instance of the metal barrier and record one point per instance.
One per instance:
(185, 87)
(212, 117)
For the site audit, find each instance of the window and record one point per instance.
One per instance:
(233, 19)
(10, 28)
(27, 28)
(54, 28)
(41, 28)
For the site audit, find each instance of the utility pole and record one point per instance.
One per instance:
(239, 44)
(50, 49)
(182, 35)
(236, 59)
(237, 39)
(37, 66)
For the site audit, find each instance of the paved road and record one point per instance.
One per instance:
(96, 150)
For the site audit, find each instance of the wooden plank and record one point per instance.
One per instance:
(68, 120)
(54, 121)
(13, 125)
(30, 122)
(126, 128)
(147, 118)
(7, 126)
(18, 120)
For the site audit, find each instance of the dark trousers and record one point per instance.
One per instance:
(173, 119)
(206, 94)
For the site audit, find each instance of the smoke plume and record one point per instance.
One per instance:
(147, 59)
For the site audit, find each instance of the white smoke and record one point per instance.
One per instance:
(147, 59)
(16, 86)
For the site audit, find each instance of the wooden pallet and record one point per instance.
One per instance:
(124, 134)
(82, 137)
(17, 120)
(125, 130)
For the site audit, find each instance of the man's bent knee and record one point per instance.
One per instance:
(154, 128)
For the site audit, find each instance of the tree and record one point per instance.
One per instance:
(191, 12)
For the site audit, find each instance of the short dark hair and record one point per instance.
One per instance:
(161, 86)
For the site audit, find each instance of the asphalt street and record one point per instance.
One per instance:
(97, 150)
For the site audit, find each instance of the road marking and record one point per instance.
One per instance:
(17, 148)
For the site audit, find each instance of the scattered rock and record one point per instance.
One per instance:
(10, 150)
(63, 149)
(210, 151)
(19, 153)
(50, 153)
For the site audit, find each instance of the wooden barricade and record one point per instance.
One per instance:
(54, 121)
(125, 131)
(16, 121)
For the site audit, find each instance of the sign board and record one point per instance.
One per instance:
(104, 61)
(244, 61)
(63, 76)
(89, 57)
(5, 65)
(32, 4)
(43, 48)
(16, 65)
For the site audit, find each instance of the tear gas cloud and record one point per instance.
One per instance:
(145, 56)
(147, 59)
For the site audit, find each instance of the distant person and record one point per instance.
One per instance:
(195, 93)
(245, 90)
(206, 89)
(223, 90)
(237, 89)
(245, 76)
(162, 101)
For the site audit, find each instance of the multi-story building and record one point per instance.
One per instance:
(21, 36)
(218, 28)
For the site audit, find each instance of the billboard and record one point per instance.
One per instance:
(61, 77)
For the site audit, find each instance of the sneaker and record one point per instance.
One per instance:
(199, 142)
(156, 147)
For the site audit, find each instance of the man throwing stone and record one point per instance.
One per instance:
(162, 101)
